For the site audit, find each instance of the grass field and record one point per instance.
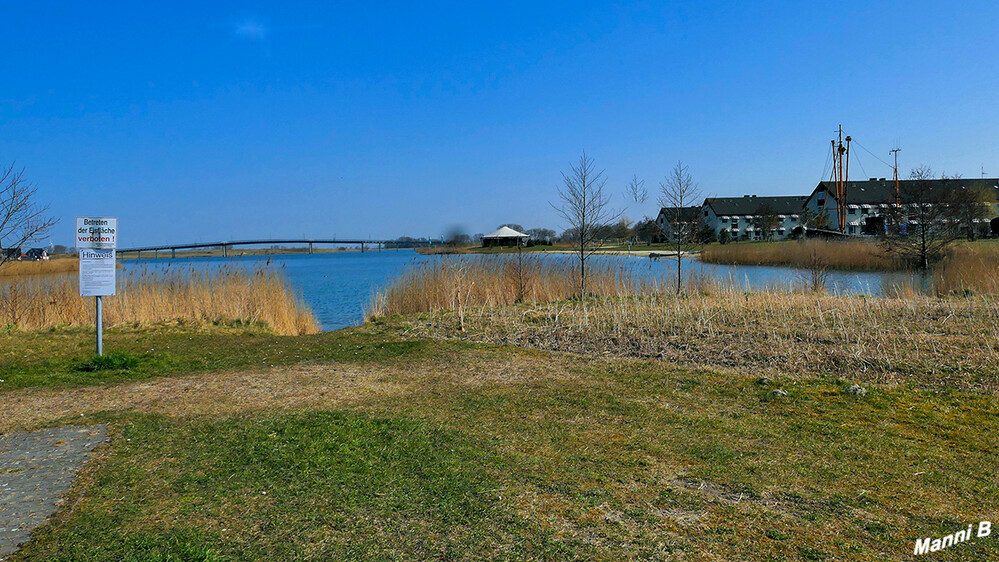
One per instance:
(379, 442)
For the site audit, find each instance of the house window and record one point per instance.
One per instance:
(853, 211)
(822, 202)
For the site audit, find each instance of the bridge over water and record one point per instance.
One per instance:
(227, 244)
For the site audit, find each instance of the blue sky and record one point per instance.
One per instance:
(216, 120)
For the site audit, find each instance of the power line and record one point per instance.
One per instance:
(861, 164)
(872, 154)
(825, 168)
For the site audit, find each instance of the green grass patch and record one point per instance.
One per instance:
(115, 361)
(310, 486)
(63, 358)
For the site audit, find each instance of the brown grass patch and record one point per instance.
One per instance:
(302, 387)
(213, 394)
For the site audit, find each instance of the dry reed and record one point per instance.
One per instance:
(906, 336)
(835, 254)
(930, 341)
(442, 250)
(223, 296)
(968, 270)
(43, 267)
(463, 282)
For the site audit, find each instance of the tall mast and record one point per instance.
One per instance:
(898, 196)
(841, 172)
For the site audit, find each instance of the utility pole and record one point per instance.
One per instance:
(898, 197)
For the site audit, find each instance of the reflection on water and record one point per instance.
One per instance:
(339, 285)
(781, 278)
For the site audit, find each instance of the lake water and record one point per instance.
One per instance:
(339, 285)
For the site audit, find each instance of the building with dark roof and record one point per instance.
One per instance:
(689, 218)
(868, 201)
(741, 216)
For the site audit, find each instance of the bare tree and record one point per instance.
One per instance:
(969, 207)
(923, 224)
(678, 194)
(647, 229)
(584, 205)
(635, 190)
(767, 221)
(541, 235)
(22, 220)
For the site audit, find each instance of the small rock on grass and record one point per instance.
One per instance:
(856, 390)
(779, 392)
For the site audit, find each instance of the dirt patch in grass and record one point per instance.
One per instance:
(212, 394)
(281, 389)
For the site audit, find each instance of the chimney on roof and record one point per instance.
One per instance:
(873, 179)
(883, 179)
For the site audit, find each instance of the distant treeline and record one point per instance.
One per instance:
(645, 230)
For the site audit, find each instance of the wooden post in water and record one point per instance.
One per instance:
(173, 253)
(310, 248)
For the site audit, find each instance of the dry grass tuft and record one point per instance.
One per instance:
(223, 296)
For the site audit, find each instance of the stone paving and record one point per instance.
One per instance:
(36, 470)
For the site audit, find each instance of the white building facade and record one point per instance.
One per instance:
(742, 216)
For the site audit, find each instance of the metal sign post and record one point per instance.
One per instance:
(97, 239)
(100, 326)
